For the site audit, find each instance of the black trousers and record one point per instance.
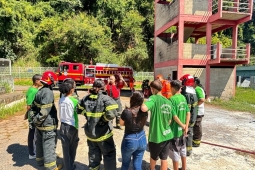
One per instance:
(106, 149)
(45, 148)
(197, 134)
(69, 140)
(30, 141)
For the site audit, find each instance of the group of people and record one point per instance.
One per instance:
(172, 120)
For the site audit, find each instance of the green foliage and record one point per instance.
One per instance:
(44, 32)
(244, 100)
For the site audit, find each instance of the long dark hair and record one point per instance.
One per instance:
(138, 117)
(197, 81)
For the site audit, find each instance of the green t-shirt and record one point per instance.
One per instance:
(200, 95)
(30, 95)
(181, 108)
(160, 118)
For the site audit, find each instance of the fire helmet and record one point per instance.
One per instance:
(187, 80)
(49, 77)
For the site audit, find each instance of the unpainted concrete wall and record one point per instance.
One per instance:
(196, 72)
(196, 7)
(165, 71)
(194, 51)
(222, 82)
(165, 13)
(165, 50)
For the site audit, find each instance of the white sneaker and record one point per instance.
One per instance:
(31, 156)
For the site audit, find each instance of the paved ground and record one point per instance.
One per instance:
(233, 129)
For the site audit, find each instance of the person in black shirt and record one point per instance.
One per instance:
(134, 141)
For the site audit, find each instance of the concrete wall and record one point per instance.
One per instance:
(222, 82)
(165, 71)
(252, 82)
(194, 51)
(196, 7)
(165, 13)
(165, 50)
(196, 72)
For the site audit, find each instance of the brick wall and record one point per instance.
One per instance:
(196, 7)
(194, 51)
(165, 71)
(196, 72)
(222, 82)
(165, 51)
(165, 13)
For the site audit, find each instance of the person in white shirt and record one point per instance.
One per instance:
(69, 123)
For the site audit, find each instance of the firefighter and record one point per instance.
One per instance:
(99, 109)
(44, 117)
(113, 90)
(166, 87)
(190, 94)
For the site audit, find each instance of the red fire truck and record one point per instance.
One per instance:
(86, 74)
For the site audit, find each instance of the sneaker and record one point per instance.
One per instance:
(31, 156)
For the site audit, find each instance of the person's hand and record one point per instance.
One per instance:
(186, 131)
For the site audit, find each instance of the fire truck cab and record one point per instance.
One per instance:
(87, 74)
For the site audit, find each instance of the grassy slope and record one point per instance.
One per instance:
(244, 100)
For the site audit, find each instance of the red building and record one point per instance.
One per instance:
(214, 64)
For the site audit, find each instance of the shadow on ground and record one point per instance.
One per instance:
(20, 157)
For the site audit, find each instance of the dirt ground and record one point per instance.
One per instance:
(227, 128)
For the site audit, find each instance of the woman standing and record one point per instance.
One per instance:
(134, 140)
(69, 123)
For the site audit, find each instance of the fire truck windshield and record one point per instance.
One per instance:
(90, 73)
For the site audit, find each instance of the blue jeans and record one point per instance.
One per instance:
(133, 145)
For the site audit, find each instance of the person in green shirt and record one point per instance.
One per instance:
(30, 96)
(197, 129)
(179, 126)
(160, 132)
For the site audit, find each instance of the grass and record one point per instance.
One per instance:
(23, 82)
(244, 101)
(18, 108)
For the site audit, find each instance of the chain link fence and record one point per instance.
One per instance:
(6, 78)
(28, 72)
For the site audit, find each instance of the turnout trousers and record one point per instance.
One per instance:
(69, 140)
(45, 148)
(189, 139)
(197, 134)
(106, 149)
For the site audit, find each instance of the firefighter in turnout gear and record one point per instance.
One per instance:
(190, 94)
(99, 109)
(44, 117)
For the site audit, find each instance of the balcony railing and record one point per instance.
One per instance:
(240, 6)
(237, 55)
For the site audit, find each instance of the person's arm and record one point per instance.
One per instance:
(122, 79)
(187, 124)
(122, 123)
(201, 101)
(179, 122)
(144, 108)
(110, 109)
